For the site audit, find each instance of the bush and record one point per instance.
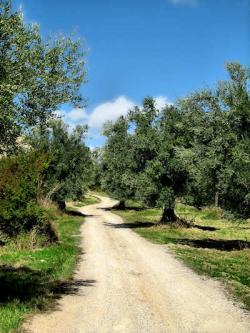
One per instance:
(20, 182)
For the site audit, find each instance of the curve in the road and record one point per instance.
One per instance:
(130, 285)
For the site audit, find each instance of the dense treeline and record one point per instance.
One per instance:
(40, 159)
(197, 150)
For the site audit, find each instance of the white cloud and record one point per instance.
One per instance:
(109, 111)
(184, 2)
(102, 113)
(161, 102)
(74, 116)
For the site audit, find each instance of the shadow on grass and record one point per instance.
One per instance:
(137, 224)
(137, 209)
(204, 227)
(77, 213)
(26, 285)
(133, 225)
(222, 245)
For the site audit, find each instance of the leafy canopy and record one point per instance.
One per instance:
(36, 76)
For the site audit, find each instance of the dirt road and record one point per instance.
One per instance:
(132, 286)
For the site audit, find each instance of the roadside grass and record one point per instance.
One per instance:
(32, 279)
(98, 192)
(87, 200)
(209, 248)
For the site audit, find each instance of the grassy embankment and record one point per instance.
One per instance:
(211, 250)
(32, 277)
(87, 200)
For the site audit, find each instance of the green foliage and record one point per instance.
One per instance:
(19, 193)
(117, 177)
(144, 157)
(36, 76)
(68, 161)
(197, 150)
(235, 179)
(217, 160)
(145, 140)
(96, 156)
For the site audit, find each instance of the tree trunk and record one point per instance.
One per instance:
(216, 199)
(168, 216)
(61, 205)
(121, 205)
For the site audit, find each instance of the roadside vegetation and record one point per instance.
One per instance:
(72, 207)
(43, 164)
(216, 245)
(33, 276)
(88, 199)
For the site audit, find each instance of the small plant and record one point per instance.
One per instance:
(214, 213)
(27, 241)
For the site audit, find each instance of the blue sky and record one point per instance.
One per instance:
(139, 48)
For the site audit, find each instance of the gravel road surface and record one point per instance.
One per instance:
(129, 285)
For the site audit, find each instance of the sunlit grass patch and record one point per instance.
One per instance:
(11, 316)
(98, 192)
(87, 200)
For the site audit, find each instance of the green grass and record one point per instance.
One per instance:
(87, 200)
(31, 280)
(230, 267)
(98, 192)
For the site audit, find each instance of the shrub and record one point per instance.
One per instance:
(20, 182)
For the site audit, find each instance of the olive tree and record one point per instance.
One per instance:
(36, 76)
(117, 162)
(160, 176)
(69, 165)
